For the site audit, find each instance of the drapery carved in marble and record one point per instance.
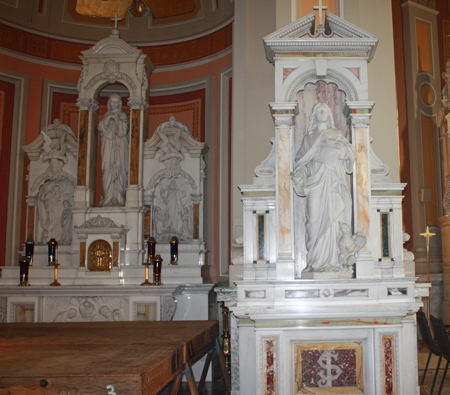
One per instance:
(172, 210)
(55, 217)
(324, 159)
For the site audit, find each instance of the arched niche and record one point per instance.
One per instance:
(315, 92)
(102, 98)
(310, 94)
(111, 61)
(334, 77)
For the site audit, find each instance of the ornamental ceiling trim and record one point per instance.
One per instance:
(57, 50)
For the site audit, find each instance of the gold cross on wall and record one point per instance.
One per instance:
(428, 235)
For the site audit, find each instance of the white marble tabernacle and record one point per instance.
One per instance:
(323, 306)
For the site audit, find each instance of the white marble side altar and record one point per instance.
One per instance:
(152, 188)
(324, 305)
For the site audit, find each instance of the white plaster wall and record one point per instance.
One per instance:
(253, 89)
(376, 18)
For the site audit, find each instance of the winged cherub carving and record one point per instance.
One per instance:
(55, 154)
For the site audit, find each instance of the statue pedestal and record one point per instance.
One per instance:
(286, 326)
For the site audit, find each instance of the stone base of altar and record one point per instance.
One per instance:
(317, 336)
(104, 303)
(88, 303)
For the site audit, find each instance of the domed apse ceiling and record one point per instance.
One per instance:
(163, 10)
(176, 31)
(90, 20)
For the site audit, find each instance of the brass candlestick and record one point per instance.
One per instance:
(55, 283)
(146, 282)
(151, 247)
(428, 235)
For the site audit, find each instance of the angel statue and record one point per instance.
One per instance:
(55, 153)
(171, 147)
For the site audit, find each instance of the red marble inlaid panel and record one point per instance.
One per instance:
(270, 367)
(344, 359)
(388, 368)
(328, 368)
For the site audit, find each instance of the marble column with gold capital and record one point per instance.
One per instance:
(284, 119)
(359, 114)
(87, 153)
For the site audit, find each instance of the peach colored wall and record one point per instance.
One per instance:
(37, 73)
(191, 74)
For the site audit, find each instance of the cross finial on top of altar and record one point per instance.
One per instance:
(116, 20)
(320, 8)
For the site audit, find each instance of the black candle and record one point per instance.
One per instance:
(174, 251)
(151, 249)
(24, 267)
(52, 251)
(29, 249)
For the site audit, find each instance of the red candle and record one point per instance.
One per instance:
(157, 264)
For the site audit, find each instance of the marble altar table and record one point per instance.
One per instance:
(99, 357)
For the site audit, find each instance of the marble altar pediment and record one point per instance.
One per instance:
(112, 45)
(53, 131)
(340, 37)
(195, 148)
(113, 60)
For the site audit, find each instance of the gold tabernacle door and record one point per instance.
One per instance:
(99, 256)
